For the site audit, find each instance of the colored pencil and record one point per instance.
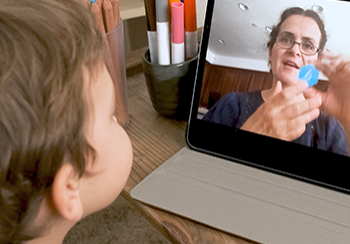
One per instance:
(96, 9)
(116, 11)
(108, 16)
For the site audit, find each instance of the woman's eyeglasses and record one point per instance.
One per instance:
(305, 47)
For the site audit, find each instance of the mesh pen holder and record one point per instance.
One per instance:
(115, 63)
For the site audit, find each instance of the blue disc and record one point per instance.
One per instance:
(309, 73)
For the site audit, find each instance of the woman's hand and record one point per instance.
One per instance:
(284, 113)
(336, 100)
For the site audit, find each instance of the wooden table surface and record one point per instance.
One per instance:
(155, 139)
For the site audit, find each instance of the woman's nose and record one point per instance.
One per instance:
(295, 49)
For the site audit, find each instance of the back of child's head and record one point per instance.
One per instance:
(44, 44)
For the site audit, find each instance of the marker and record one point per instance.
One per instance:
(191, 28)
(169, 11)
(150, 6)
(177, 33)
(163, 40)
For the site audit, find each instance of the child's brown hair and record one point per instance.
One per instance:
(44, 45)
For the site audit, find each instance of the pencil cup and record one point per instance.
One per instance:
(115, 63)
(170, 87)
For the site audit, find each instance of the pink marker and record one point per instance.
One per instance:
(177, 33)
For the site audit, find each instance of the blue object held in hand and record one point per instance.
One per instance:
(310, 74)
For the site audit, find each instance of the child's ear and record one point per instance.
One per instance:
(66, 193)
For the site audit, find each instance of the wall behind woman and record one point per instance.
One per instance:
(220, 80)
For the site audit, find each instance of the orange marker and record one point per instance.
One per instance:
(191, 42)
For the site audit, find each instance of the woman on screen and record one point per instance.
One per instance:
(283, 111)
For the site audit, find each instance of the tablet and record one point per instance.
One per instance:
(236, 65)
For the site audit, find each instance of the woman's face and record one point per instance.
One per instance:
(286, 63)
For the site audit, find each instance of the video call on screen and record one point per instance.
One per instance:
(241, 68)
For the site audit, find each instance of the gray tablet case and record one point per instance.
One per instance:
(255, 204)
(258, 205)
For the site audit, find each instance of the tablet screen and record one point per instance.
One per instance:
(250, 103)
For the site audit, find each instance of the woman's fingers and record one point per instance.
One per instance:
(296, 127)
(289, 93)
(290, 122)
(285, 113)
(329, 63)
(310, 92)
(298, 109)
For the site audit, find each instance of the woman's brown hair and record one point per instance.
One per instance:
(44, 45)
(297, 11)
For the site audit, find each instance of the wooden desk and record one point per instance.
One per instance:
(155, 139)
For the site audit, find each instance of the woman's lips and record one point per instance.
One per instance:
(291, 64)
